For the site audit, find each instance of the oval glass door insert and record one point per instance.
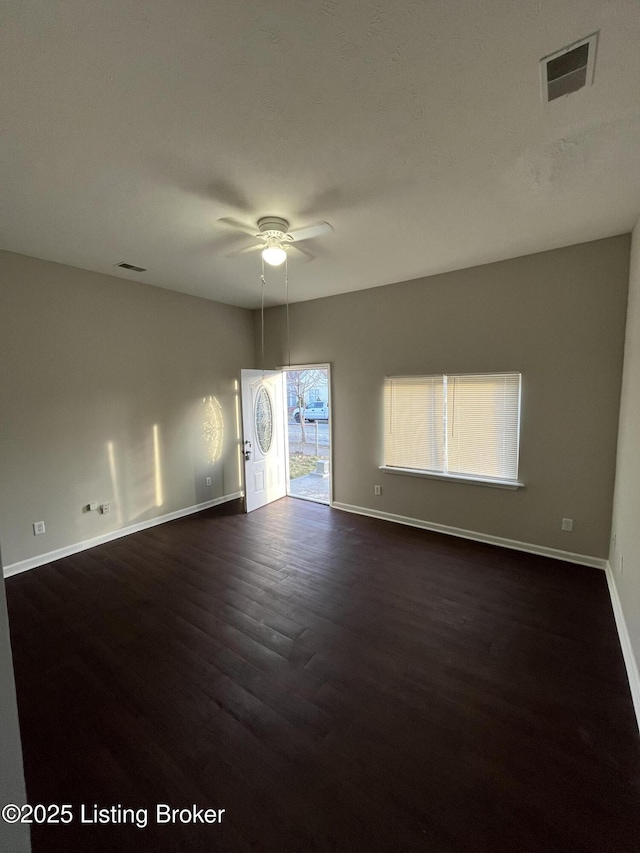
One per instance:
(264, 420)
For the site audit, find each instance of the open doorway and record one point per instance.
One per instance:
(308, 394)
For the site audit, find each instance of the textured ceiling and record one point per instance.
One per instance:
(415, 128)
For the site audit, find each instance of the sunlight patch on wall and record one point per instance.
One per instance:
(157, 465)
(213, 428)
(115, 489)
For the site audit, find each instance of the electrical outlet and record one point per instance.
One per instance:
(105, 508)
(377, 490)
(207, 481)
(92, 507)
(38, 528)
(567, 524)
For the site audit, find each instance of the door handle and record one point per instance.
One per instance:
(247, 451)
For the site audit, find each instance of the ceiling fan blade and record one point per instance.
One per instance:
(310, 231)
(230, 222)
(293, 247)
(244, 251)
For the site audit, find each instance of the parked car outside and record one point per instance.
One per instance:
(316, 411)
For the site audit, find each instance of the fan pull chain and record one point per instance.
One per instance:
(262, 318)
(286, 286)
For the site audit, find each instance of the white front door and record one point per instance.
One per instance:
(264, 436)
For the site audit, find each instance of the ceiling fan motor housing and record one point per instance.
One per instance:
(273, 226)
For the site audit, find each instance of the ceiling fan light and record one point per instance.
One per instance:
(274, 255)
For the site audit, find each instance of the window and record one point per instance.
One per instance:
(463, 426)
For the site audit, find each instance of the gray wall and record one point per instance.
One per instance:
(626, 513)
(89, 364)
(13, 837)
(556, 316)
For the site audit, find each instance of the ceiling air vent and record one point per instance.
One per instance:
(131, 267)
(569, 69)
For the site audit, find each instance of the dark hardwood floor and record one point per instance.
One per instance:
(335, 683)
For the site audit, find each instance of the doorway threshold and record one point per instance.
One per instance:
(310, 487)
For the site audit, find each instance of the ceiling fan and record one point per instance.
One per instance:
(275, 238)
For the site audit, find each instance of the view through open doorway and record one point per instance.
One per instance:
(309, 432)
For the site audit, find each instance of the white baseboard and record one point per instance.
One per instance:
(68, 550)
(513, 544)
(630, 661)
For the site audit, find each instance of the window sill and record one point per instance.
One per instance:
(458, 478)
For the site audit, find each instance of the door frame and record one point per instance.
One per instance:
(325, 365)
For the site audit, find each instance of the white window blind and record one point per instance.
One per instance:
(467, 424)
(415, 426)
